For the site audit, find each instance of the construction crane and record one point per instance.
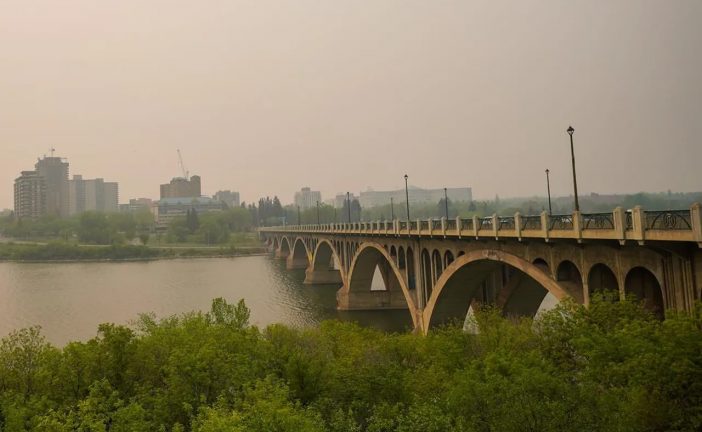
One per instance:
(186, 173)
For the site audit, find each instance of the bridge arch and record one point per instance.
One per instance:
(569, 276)
(326, 259)
(601, 279)
(299, 257)
(645, 286)
(284, 249)
(457, 286)
(448, 258)
(368, 257)
(542, 264)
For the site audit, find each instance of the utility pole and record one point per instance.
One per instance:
(446, 202)
(407, 198)
(572, 155)
(548, 189)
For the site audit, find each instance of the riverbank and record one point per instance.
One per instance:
(67, 253)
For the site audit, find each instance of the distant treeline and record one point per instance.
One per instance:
(88, 227)
(592, 203)
(609, 367)
(61, 251)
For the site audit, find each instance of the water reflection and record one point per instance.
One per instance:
(70, 300)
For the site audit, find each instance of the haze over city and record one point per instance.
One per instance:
(266, 97)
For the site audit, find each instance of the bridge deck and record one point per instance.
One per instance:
(636, 225)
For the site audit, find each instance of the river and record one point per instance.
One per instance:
(69, 300)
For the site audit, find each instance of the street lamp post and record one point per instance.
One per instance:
(298, 215)
(548, 189)
(348, 205)
(570, 131)
(407, 199)
(392, 209)
(446, 202)
(317, 212)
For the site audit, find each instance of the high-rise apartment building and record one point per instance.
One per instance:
(54, 170)
(181, 187)
(92, 195)
(307, 198)
(30, 195)
(110, 192)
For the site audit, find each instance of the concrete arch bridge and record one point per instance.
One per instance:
(436, 269)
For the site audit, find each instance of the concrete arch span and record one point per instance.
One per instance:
(492, 276)
(283, 249)
(357, 294)
(299, 258)
(326, 266)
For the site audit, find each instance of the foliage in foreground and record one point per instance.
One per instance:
(609, 367)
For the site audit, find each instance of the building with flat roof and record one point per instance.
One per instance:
(181, 187)
(92, 195)
(307, 198)
(340, 199)
(137, 205)
(30, 195)
(167, 209)
(228, 197)
(416, 196)
(55, 173)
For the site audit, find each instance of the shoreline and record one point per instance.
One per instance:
(108, 260)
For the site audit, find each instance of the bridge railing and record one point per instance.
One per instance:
(486, 224)
(669, 220)
(560, 222)
(598, 221)
(451, 224)
(636, 224)
(531, 223)
(466, 225)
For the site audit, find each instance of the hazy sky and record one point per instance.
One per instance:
(267, 96)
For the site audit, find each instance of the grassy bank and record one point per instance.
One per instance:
(610, 367)
(59, 251)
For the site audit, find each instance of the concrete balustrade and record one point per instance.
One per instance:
(622, 226)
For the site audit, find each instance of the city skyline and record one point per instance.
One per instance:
(476, 94)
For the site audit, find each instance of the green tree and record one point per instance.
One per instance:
(95, 228)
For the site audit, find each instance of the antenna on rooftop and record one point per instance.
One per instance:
(186, 173)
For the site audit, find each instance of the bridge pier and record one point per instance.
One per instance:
(296, 263)
(322, 277)
(370, 300)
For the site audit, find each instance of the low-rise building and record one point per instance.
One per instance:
(417, 195)
(137, 205)
(167, 209)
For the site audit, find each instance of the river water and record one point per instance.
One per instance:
(69, 300)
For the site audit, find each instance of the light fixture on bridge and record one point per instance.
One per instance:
(570, 131)
(407, 200)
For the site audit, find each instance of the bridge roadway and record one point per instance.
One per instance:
(438, 268)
